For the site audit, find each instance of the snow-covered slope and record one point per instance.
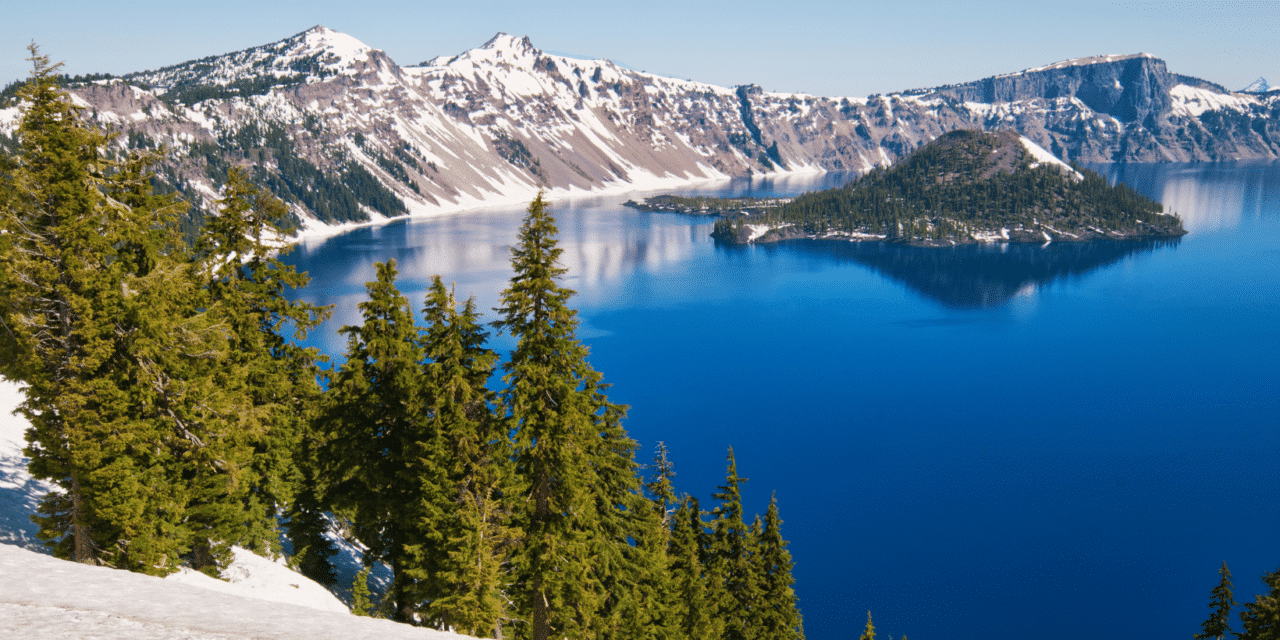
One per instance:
(42, 598)
(248, 577)
(345, 135)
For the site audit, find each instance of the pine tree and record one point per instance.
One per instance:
(120, 364)
(695, 610)
(731, 560)
(459, 567)
(361, 599)
(1219, 623)
(1260, 619)
(245, 284)
(779, 616)
(574, 463)
(372, 416)
(869, 632)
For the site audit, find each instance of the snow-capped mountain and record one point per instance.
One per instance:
(1258, 86)
(344, 134)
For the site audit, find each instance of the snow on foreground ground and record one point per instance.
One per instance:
(46, 598)
(43, 597)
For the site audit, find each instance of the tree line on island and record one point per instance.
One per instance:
(174, 409)
(964, 185)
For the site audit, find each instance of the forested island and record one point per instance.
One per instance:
(706, 205)
(962, 188)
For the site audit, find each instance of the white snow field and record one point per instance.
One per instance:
(43, 597)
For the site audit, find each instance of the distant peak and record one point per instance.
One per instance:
(504, 42)
(1257, 86)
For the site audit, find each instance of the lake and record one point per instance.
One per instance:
(1004, 441)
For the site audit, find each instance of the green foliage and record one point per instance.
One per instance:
(778, 617)
(1260, 619)
(361, 601)
(460, 568)
(732, 563)
(868, 632)
(132, 413)
(574, 462)
(372, 417)
(1220, 602)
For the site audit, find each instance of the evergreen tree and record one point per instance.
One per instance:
(459, 567)
(1260, 619)
(731, 561)
(122, 369)
(246, 283)
(779, 616)
(372, 417)
(868, 632)
(361, 600)
(1219, 623)
(695, 610)
(574, 462)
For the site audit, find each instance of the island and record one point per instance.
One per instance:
(706, 205)
(964, 187)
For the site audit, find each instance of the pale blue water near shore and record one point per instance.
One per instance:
(983, 442)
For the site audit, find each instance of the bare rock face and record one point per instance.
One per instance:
(342, 133)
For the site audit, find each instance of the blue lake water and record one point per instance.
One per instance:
(983, 442)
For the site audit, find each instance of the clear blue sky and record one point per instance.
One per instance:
(833, 48)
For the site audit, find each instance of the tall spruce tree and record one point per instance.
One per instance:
(695, 612)
(459, 567)
(731, 562)
(121, 367)
(1218, 625)
(246, 284)
(574, 463)
(373, 418)
(779, 617)
(869, 631)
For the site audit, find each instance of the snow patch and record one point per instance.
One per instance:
(1044, 157)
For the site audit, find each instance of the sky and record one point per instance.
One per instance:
(828, 48)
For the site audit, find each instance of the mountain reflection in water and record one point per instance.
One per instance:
(979, 275)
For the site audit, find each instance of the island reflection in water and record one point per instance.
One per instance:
(980, 275)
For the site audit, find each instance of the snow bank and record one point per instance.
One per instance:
(1042, 156)
(19, 492)
(252, 576)
(42, 597)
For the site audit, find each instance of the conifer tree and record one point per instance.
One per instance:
(731, 561)
(372, 417)
(574, 463)
(779, 617)
(245, 283)
(120, 365)
(695, 610)
(1219, 623)
(361, 599)
(868, 632)
(459, 567)
(1260, 619)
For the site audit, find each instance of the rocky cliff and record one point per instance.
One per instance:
(344, 134)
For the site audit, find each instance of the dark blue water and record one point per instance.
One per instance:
(984, 442)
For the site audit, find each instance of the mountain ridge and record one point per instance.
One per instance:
(345, 135)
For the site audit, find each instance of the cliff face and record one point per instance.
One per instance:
(343, 133)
